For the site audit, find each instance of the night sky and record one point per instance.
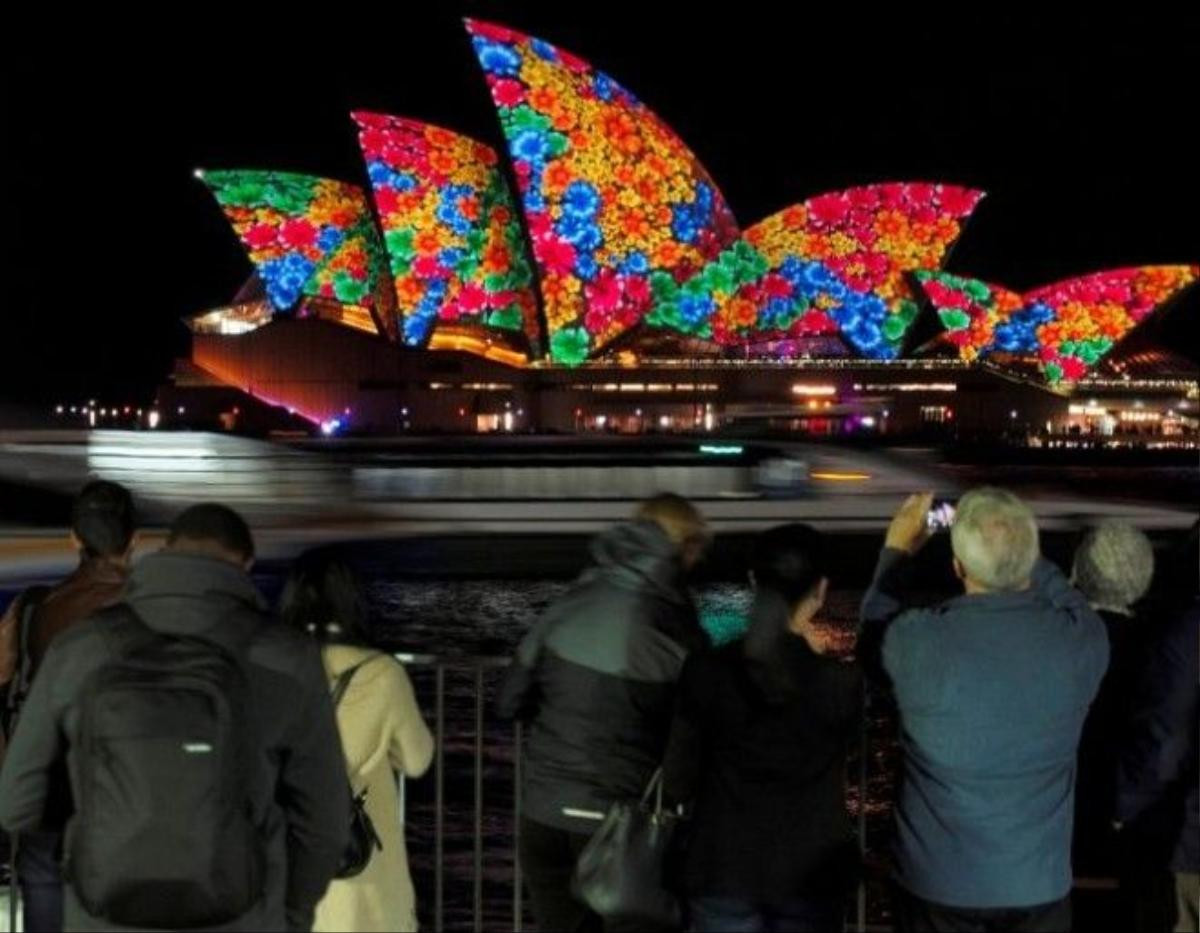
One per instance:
(1081, 133)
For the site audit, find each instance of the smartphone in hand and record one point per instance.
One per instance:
(940, 516)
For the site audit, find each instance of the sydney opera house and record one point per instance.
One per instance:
(593, 278)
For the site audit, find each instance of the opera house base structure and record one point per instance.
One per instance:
(313, 375)
(591, 277)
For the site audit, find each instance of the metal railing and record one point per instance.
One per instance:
(477, 667)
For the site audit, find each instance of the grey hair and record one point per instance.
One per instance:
(1114, 565)
(995, 538)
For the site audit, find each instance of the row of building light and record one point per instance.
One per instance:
(95, 414)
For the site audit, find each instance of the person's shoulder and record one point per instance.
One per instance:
(379, 666)
(88, 633)
(920, 621)
(281, 648)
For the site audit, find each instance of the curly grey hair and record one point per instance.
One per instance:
(1114, 565)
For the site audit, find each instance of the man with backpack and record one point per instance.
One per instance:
(206, 777)
(102, 531)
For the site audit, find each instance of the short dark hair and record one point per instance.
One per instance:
(214, 524)
(102, 518)
(322, 597)
(789, 560)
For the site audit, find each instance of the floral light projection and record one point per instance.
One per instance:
(305, 236)
(1069, 326)
(616, 204)
(458, 254)
(835, 264)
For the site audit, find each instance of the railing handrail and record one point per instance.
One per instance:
(463, 661)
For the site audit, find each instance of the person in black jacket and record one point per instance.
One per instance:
(1158, 779)
(759, 744)
(296, 795)
(595, 681)
(1113, 567)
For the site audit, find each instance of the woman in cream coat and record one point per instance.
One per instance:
(382, 733)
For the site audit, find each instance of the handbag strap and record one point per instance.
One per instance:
(654, 788)
(342, 684)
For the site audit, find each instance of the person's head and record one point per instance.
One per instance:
(788, 563)
(788, 573)
(680, 521)
(102, 521)
(994, 537)
(322, 598)
(1113, 566)
(212, 530)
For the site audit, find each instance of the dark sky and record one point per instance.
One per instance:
(1082, 133)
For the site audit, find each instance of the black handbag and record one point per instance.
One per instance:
(621, 871)
(364, 840)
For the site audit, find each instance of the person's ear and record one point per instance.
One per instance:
(134, 540)
(75, 542)
(959, 571)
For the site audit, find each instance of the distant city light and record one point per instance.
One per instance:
(59, 410)
(722, 450)
(868, 421)
(153, 418)
(800, 388)
(182, 409)
(838, 477)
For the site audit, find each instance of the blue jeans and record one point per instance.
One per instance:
(733, 915)
(40, 877)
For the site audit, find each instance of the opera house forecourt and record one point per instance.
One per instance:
(593, 278)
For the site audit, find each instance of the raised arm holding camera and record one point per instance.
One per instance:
(992, 688)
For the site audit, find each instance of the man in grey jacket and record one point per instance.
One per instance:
(297, 794)
(992, 688)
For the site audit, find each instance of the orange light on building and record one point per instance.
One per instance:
(837, 477)
(479, 347)
(801, 388)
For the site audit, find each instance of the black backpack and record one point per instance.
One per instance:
(163, 835)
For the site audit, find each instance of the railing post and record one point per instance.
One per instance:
(14, 887)
(518, 894)
(863, 746)
(478, 855)
(439, 800)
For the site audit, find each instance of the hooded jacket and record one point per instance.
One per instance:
(298, 797)
(595, 678)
